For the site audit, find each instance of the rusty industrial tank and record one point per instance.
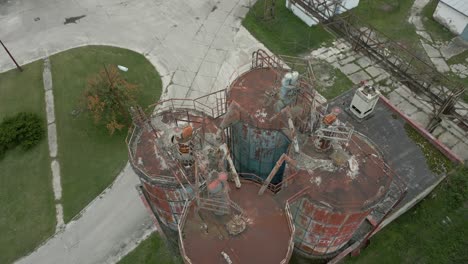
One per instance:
(338, 172)
(344, 183)
(258, 110)
(160, 153)
(249, 229)
(267, 169)
(180, 157)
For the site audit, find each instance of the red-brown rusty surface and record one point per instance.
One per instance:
(337, 188)
(165, 193)
(265, 239)
(322, 230)
(336, 203)
(168, 203)
(255, 92)
(147, 156)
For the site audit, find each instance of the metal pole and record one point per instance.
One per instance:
(11, 56)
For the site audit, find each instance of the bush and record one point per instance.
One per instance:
(24, 130)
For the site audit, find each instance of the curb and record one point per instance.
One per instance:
(434, 141)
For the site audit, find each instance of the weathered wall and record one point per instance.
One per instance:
(450, 18)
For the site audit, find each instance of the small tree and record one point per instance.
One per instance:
(108, 97)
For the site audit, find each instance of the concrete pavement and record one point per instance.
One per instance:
(196, 46)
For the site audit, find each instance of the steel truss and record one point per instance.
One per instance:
(432, 86)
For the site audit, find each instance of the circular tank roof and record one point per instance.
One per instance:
(265, 239)
(358, 183)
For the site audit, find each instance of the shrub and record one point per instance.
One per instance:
(24, 130)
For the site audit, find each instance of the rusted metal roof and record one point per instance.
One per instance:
(340, 187)
(265, 240)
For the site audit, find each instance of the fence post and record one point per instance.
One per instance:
(11, 56)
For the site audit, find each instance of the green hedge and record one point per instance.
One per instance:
(24, 130)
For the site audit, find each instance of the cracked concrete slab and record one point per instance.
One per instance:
(448, 139)
(359, 76)
(364, 62)
(56, 182)
(415, 14)
(431, 51)
(407, 108)
(49, 97)
(209, 69)
(455, 47)
(347, 60)
(350, 68)
(425, 35)
(460, 148)
(374, 71)
(440, 65)
(183, 78)
(52, 139)
(421, 117)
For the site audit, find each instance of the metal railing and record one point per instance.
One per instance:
(157, 179)
(261, 59)
(180, 226)
(292, 228)
(200, 104)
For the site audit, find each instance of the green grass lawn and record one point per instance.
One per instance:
(434, 231)
(27, 211)
(391, 18)
(152, 250)
(286, 34)
(89, 157)
(331, 82)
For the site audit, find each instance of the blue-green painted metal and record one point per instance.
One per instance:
(257, 150)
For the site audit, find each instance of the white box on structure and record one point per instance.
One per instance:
(364, 101)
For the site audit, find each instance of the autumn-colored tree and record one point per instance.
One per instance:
(108, 96)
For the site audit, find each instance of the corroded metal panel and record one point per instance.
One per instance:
(257, 150)
(168, 203)
(322, 230)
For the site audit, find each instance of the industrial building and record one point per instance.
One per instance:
(262, 162)
(453, 14)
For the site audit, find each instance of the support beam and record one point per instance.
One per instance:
(275, 169)
(227, 156)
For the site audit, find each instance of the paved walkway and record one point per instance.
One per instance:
(196, 45)
(437, 51)
(52, 140)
